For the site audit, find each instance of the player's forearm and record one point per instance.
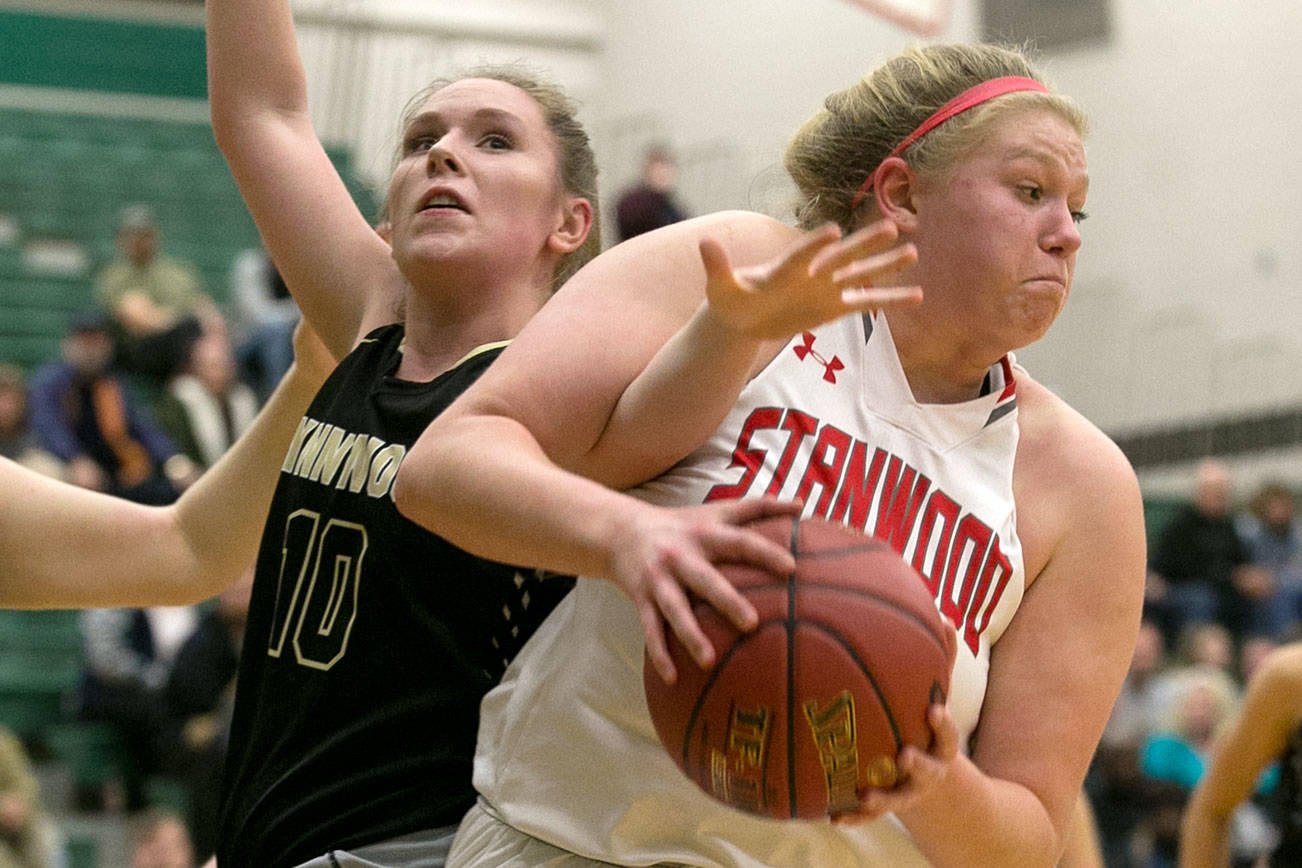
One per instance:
(972, 820)
(219, 519)
(678, 400)
(253, 64)
(1204, 837)
(484, 484)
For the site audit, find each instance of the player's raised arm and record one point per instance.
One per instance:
(321, 244)
(64, 547)
(1258, 735)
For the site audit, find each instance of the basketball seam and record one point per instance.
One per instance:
(867, 673)
(885, 602)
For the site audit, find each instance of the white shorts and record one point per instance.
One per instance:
(484, 841)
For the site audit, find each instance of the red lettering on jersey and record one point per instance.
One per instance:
(823, 472)
(858, 486)
(898, 505)
(978, 615)
(743, 456)
(974, 535)
(939, 506)
(801, 425)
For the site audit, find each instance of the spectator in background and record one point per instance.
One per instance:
(1175, 756)
(156, 301)
(1269, 528)
(128, 659)
(1200, 569)
(85, 417)
(205, 408)
(200, 695)
(1121, 795)
(28, 838)
(17, 440)
(650, 203)
(159, 840)
(267, 316)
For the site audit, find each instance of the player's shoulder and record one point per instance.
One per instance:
(1065, 456)
(746, 235)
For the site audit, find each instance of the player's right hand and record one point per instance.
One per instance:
(665, 557)
(820, 278)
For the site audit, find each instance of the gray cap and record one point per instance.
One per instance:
(136, 218)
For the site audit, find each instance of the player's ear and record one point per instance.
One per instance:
(894, 187)
(572, 225)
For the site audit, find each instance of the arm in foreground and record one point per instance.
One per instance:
(1258, 735)
(64, 547)
(554, 491)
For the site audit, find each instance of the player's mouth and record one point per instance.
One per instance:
(441, 201)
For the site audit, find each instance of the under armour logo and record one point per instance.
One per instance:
(807, 349)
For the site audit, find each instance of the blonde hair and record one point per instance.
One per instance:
(832, 153)
(576, 164)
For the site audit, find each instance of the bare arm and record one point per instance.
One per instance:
(1080, 519)
(1257, 736)
(687, 388)
(323, 246)
(65, 547)
(627, 304)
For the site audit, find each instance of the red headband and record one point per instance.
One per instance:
(973, 96)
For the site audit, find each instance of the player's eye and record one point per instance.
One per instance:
(1031, 192)
(497, 142)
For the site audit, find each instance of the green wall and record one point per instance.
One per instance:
(102, 55)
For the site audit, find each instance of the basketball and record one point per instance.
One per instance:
(797, 717)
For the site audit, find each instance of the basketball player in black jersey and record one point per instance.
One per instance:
(371, 641)
(1268, 729)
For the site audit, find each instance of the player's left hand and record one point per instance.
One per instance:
(920, 771)
(821, 277)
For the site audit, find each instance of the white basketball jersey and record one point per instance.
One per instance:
(567, 752)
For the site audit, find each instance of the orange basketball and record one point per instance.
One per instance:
(797, 717)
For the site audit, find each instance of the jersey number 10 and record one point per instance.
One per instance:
(317, 606)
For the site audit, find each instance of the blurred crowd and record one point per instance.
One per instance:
(1224, 591)
(152, 384)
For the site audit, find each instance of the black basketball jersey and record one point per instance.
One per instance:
(1288, 853)
(370, 641)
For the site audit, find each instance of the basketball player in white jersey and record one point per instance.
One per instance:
(916, 426)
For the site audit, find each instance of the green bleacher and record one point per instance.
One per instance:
(64, 178)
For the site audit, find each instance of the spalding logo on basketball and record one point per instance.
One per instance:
(802, 714)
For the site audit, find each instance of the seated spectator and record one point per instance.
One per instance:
(1175, 757)
(650, 203)
(83, 414)
(200, 694)
(28, 838)
(155, 301)
(128, 659)
(267, 317)
(17, 440)
(205, 408)
(159, 840)
(1201, 571)
(1269, 528)
(1121, 795)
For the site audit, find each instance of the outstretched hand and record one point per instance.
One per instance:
(671, 553)
(820, 278)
